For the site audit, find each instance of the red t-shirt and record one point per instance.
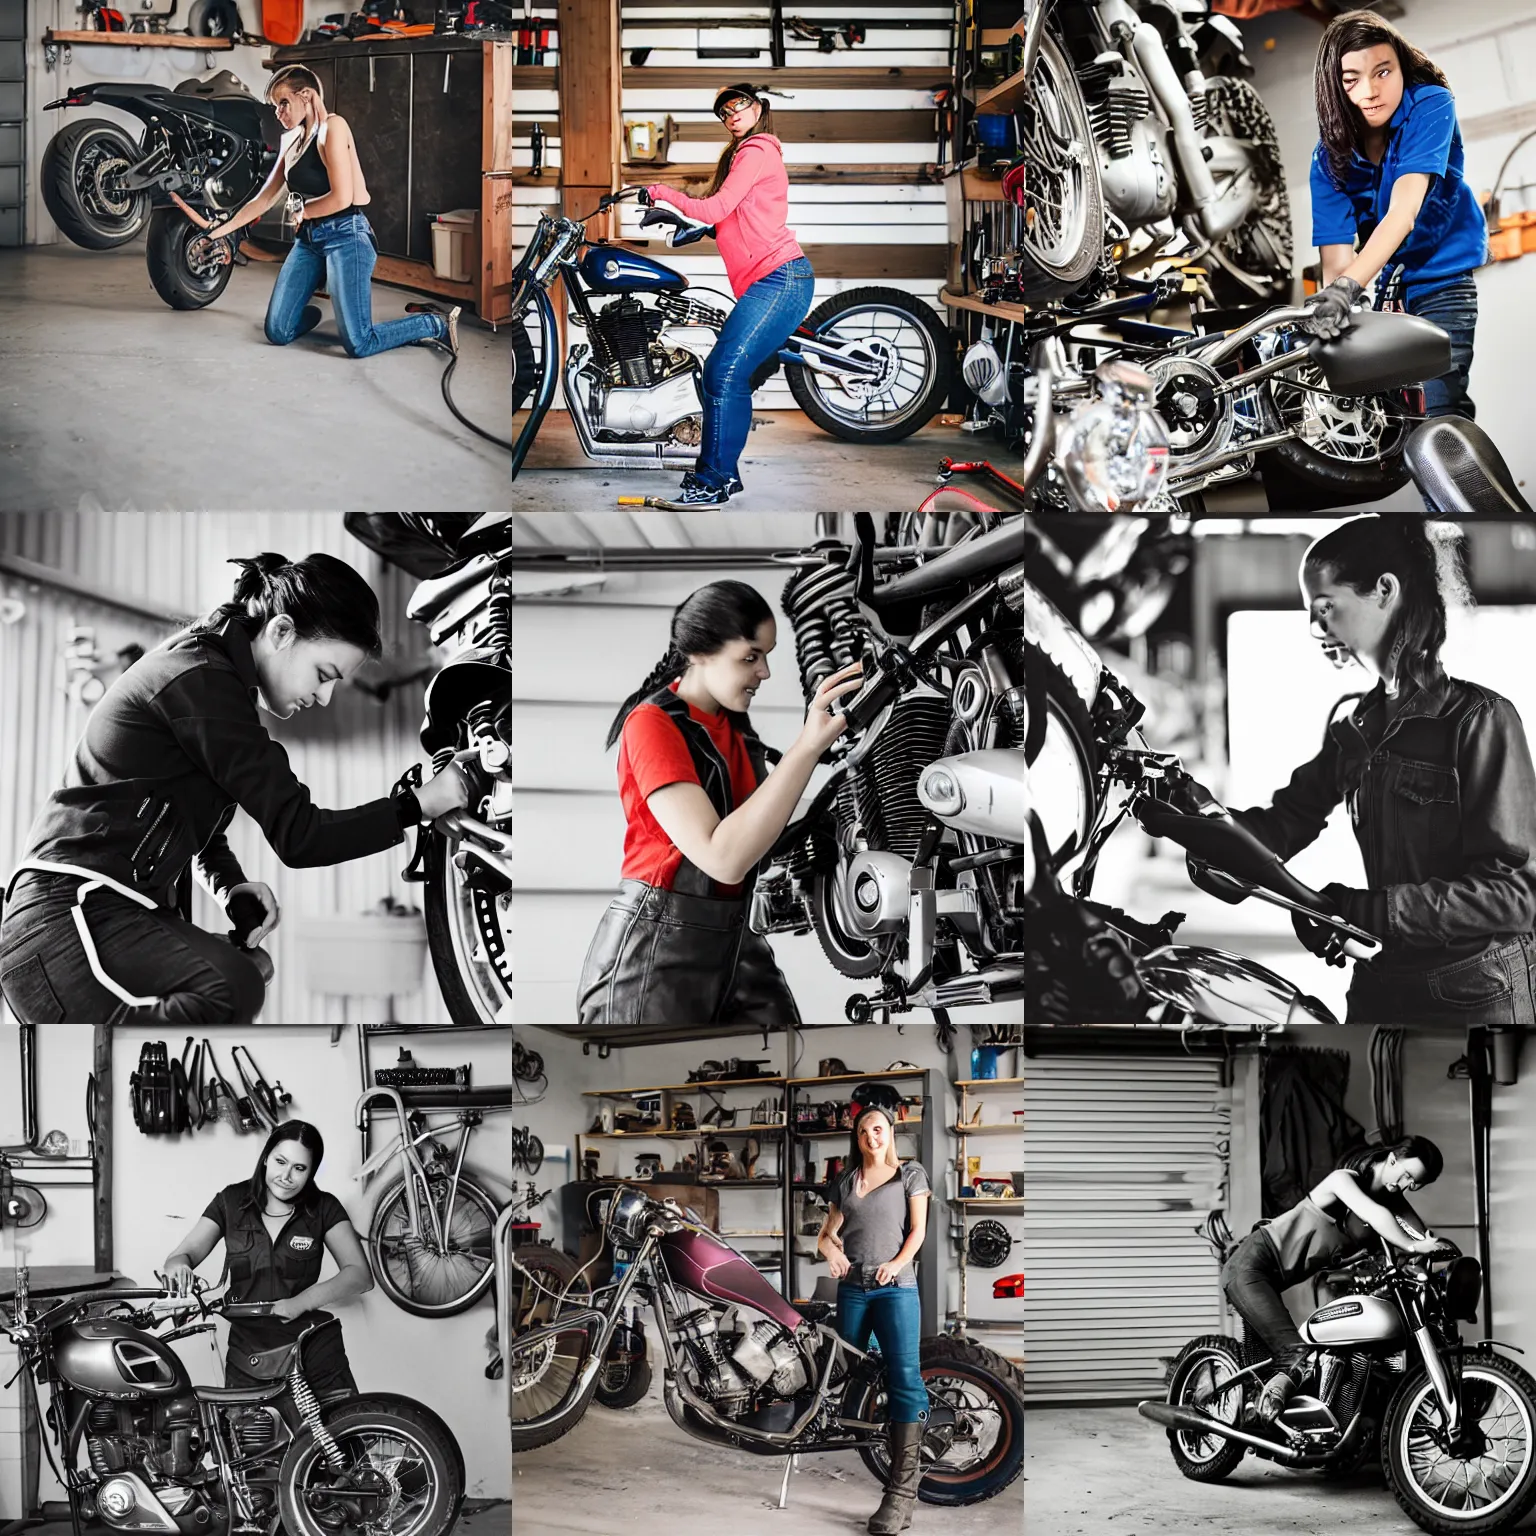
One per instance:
(653, 754)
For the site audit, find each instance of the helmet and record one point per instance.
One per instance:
(876, 1096)
(628, 1214)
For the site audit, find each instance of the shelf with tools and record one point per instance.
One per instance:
(995, 1243)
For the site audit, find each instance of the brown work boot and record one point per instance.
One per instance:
(895, 1512)
(1272, 1399)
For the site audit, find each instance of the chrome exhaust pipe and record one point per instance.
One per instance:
(1172, 1416)
(997, 984)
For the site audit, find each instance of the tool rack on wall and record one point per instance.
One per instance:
(960, 1318)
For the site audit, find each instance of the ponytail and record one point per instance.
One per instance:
(324, 597)
(671, 665)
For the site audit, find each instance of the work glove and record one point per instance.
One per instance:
(1363, 909)
(1330, 308)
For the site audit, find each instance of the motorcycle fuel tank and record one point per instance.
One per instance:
(1354, 1320)
(980, 792)
(702, 1264)
(1212, 985)
(605, 270)
(115, 1359)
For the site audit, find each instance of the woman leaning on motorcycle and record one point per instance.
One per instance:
(701, 810)
(879, 1205)
(275, 1227)
(1332, 1222)
(747, 202)
(1436, 774)
(174, 747)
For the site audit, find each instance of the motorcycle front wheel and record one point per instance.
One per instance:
(469, 935)
(395, 1454)
(81, 177)
(1197, 1381)
(182, 281)
(915, 352)
(985, 1452)
(1473, 1489)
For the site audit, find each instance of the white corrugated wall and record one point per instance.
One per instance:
(1124, 1158)
(348, 754)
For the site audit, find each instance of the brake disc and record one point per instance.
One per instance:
(1198, 415)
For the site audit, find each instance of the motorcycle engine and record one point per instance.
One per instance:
(736, 1360)
(622, 336)
(1133, 161)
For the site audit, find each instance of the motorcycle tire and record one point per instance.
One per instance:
(625, 1385)
(1052, 271)
(1223, 1457)
(432, 1491)
(70, 156)
(214, 18)
(404, 1273)
(572, 1356)
(1060, 756)
(444, 940)
(997, 1378)
(939, 346)
(1398, 1424)
(525, 366)
(850, 956)
(171, 234)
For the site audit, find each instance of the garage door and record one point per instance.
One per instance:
(1124, 1159)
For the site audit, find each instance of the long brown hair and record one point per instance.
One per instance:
(764, 124)
(1339, 124)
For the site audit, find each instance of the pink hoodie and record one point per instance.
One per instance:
(748, 212)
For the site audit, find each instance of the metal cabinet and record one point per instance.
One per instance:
(13, 121)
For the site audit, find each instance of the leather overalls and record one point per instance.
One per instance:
(686, 956)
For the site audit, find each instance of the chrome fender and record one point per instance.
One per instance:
(1220, 988)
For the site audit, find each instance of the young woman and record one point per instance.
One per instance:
(701, 809)
(1436, 774)
(318, 167)
(879, 1205)
(273, 1226)
(1330, 1224)
(747, 202)
(174, 746)
(1387, 173)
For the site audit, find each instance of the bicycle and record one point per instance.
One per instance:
(429, 1239)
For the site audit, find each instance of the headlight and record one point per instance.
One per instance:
(1114, 451)
(627, 1215)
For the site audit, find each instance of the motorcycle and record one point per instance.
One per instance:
(164, 1455)
(747, 1369)
(1139, 116)
(207, 146)
(1455, 1423)
(464, 859)
(869, 365)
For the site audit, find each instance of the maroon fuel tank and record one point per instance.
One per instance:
(704, 1264)
(114, 1359)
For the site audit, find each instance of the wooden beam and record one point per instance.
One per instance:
(102, 1189)
(591, 128)
(139, 40)
(496, 166)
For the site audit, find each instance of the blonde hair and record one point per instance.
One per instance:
(294, 78)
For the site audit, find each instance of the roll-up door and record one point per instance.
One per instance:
(1124, 1158)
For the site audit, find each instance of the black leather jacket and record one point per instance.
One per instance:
(1443, 802)
(172, 749)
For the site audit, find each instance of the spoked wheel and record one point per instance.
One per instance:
(912, 354)
(1484, 1481)
(420, 1273)
(1199, 1380)
(974, 1446)
(469, 933)
(400, 1479)
(543, 1378)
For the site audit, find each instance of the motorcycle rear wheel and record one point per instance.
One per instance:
(469, 974)
(80, 166)
(399, 1448)
(181, 283)
(973, 1380)
(1202, 1364)
(1260, 247)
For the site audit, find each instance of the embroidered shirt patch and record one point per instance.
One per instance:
(301, 1244)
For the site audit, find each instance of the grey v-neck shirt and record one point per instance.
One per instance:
(877, 1224)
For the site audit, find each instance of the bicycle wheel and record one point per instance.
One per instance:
(416, 1273)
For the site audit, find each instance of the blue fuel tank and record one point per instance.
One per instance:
(606, 270)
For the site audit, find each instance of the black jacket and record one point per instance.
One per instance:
(1443, 802)
(171, 750)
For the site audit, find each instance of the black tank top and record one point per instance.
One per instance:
(307, 175)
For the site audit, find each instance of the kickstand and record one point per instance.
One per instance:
(791, 1464)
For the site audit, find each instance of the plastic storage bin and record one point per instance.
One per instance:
(456, 244)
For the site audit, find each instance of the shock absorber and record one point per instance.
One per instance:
(308, 1405)
(498, 613)
(494, 752)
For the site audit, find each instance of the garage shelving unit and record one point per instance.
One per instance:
(920, 1126)
(757, 1238)
(960, 1320)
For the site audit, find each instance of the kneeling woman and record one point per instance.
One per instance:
(1327, 1226)
(275, 1227)
(1437, 776)
(702, 809)
(175, 746)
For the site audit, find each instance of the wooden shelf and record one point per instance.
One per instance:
(859, 1077)
(1016, 312)
(986, 1130)
(985, 1200)
(901, 1125)
(983, 1082)
(853, 77)
(1003, 98)
(709, 1130)
(630, 1093)
(140, 40)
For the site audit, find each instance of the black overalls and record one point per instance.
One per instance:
(261, 1269)
(686, 956)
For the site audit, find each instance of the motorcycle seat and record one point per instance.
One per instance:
(977, 559)
(1458, 469)
(261, 1394)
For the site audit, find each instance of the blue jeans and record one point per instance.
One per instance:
(892, 1312)
(1454, 309)
(764, 318)
(341, 250)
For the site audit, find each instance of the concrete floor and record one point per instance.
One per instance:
(110, 399)
(480, 1517)
(634, 1471)
(1108, 1472)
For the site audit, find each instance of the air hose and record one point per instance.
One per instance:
(490, 437)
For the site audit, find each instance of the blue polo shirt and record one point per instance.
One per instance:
(1449, 237)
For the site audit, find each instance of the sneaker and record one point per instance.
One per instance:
(695, 493)
(453, 328)
(735, 488)
(450, 342)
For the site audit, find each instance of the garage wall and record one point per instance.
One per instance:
(350, 753)
(162, 1184)
(575, 658)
